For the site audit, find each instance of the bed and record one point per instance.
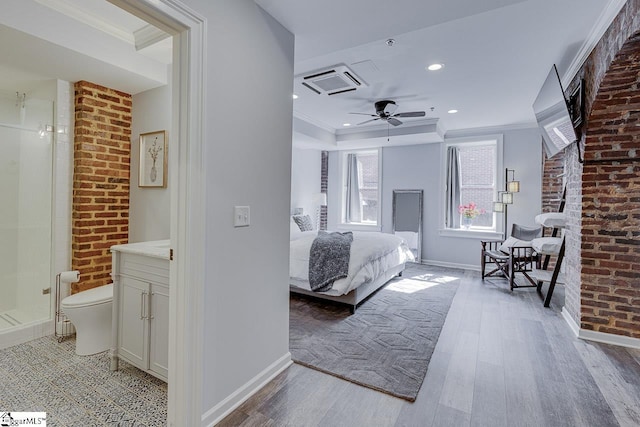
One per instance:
(375, 258)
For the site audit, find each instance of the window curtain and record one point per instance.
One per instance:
(353, 205)
(452, 216)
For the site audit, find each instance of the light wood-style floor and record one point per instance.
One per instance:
(502, 360)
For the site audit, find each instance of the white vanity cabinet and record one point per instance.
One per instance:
(141, 306)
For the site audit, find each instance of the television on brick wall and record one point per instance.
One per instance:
(553, 117)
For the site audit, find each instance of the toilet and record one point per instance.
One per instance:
(90, 313)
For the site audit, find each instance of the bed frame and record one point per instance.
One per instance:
(357, 295)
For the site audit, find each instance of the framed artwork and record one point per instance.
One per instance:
(153, 159)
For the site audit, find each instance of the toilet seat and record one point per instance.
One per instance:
(95, 296)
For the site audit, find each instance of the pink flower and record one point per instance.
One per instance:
(470, 210)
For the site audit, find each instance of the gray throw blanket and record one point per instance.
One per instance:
(329, 259)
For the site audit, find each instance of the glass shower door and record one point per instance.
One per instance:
(25, 211)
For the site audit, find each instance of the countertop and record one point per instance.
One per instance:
(155, 249)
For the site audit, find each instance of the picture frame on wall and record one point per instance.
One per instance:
(153, 160)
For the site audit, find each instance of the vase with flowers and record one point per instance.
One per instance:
(469, 212)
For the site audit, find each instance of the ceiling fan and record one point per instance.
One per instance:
(385, 110)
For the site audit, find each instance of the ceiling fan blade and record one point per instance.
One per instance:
(410, 114)
(365, 114)
(367, 121)
(394, 121)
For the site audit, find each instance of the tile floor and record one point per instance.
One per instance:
(46, 376)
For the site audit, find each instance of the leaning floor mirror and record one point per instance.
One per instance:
(407, 219)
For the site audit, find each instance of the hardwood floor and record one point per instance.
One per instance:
(502, 359)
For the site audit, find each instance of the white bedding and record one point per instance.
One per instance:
(372, 254)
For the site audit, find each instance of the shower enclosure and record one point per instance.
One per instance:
(26, 171)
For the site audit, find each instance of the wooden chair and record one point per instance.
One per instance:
(512, 256)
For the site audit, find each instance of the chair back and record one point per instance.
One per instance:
(527, 234)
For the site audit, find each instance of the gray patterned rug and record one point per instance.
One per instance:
(387, 344)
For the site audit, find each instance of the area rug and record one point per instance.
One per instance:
(387, 344)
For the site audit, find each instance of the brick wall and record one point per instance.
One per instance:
(552, 181)
(611, 200)
(324, 181)
(603, 198)
(100, 207)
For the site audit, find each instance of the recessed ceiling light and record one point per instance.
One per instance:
(295, 96)
(435, 67)
(346, 124)
(390, 42)
(452, 111)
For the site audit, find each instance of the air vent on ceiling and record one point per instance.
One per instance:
(332, 81)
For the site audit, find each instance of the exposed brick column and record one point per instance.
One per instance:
(324, 181)
(625, 25)
(102, 153)
(611, 201)
(552, 182)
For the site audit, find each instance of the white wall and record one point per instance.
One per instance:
(247, 161)
(149, 208)
(305, 178)
(420, 167)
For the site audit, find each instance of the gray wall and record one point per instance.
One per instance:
(149, 208)
(418, 167)
(247, 162)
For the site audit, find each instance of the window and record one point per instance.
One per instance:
(471, 177)
(361, 187)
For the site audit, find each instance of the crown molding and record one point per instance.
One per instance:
(406, 128)
(598, 30)
(315, 122)
(489, 130)
(147, 36)
(88, 18)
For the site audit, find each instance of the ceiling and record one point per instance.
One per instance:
(79, 40)
(496, 55)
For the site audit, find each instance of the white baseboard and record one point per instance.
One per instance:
(450, 264)
(572, 324)
(602, 337)
(237, 398)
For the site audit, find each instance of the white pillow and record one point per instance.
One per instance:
(552, 219)
(547, 245)
(512, 241)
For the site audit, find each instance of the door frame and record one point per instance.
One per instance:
(187, 174)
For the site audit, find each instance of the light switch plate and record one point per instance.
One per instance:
(241, 216)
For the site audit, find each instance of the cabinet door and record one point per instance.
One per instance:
(133, 333)
(159, 356)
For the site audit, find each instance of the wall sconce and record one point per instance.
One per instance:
(513, 186)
